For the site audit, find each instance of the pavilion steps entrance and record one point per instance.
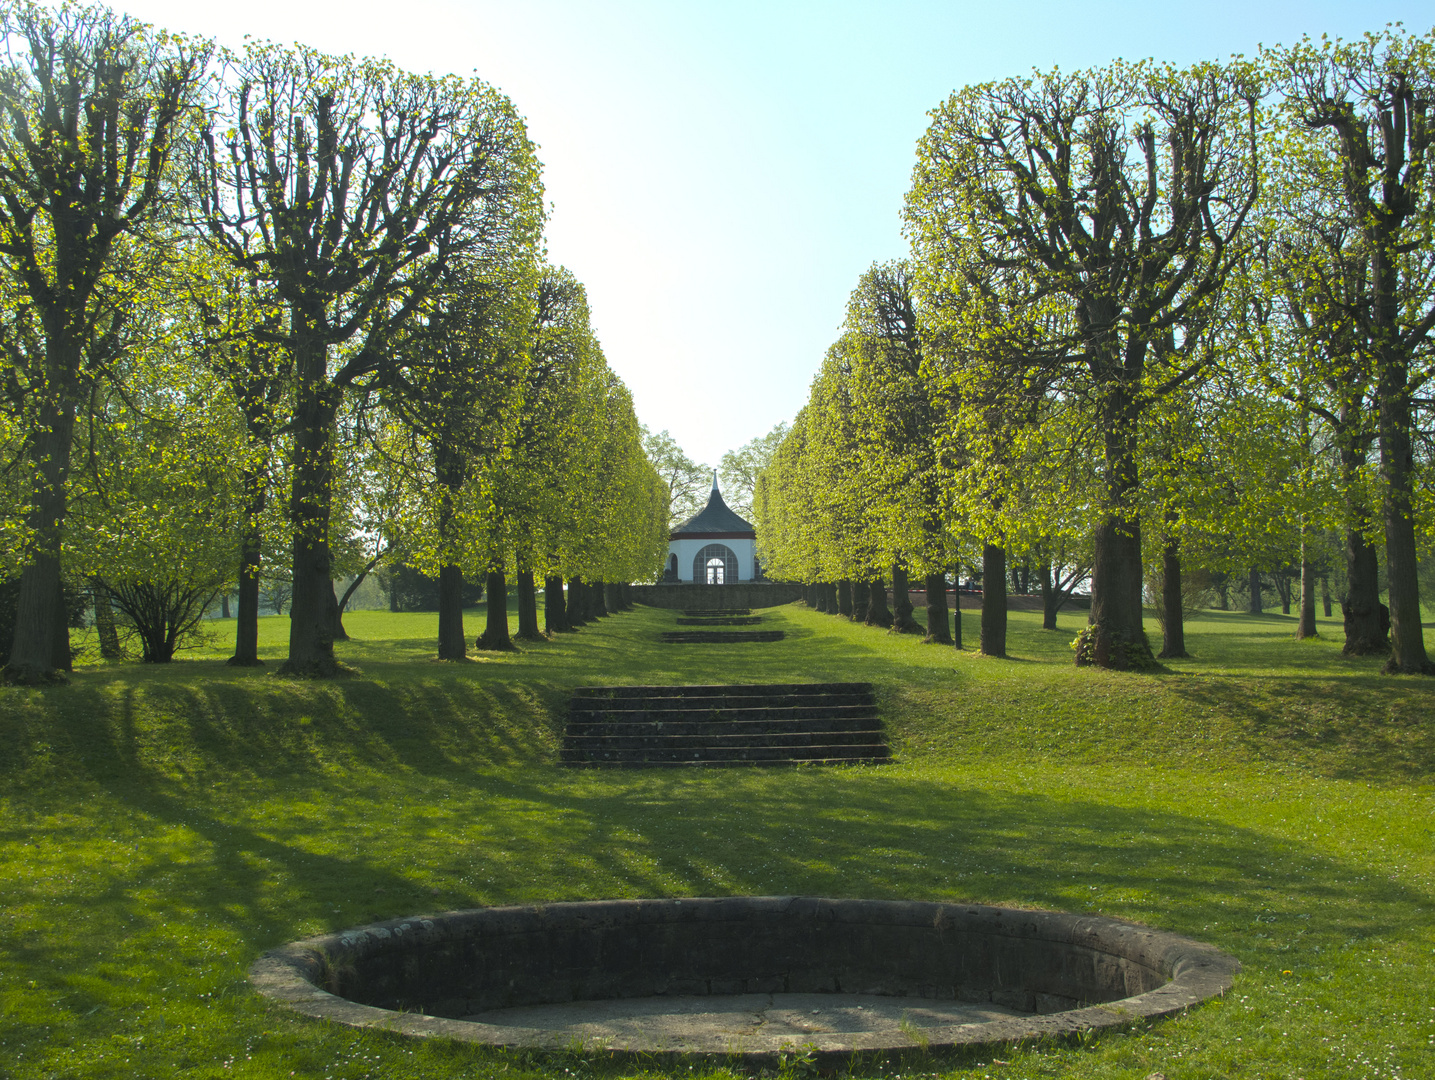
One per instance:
(669, 726)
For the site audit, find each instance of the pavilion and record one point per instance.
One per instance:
(713, 547)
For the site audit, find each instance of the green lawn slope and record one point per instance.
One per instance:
(162, 826)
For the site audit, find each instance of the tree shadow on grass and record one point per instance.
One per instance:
(1365, 727)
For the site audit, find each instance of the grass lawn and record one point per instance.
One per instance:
(162, 826)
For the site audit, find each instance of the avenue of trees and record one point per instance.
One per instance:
(278, 315)
(1159, 328)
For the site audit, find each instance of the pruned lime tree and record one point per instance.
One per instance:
(1117, 199)
(92, 105)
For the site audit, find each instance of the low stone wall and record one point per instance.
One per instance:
(421, 975)
(741, 594)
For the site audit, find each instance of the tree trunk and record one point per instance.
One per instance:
(452, 645)
(246, 623)
(597, 598)
(861, 591)
(832, 606)
(1222, 583)
(878, 614)
(1050, 601)
(1115, 633)
(336, 615)
(1325, 595)
(105, 620)
(821, 590)
(495, 628)
(1283, 590)
(612, 598)
(555, 612)
(902, 621)
(36, 656)
(578, 613)
(1397, 466)
(224, 605)
(1306, 629)
(1253, 586)
(938, 632)
(1365, 633)
(527, 608)
(993, 600)
(844, 598)
(957, 609)
(1173, 615)
(312, 605)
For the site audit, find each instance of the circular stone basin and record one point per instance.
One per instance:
(746, 977)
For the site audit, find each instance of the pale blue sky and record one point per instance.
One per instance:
(721, 174)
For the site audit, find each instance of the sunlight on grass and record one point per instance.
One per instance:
(162, 826)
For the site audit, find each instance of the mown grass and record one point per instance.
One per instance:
(162, 826)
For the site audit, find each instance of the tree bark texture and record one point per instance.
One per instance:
(844, 598)
(612, 598)
(597, 598)
(820, 591)
(1254, 606)
(1115, 633)
(861, 592)
(312, 605)
(495, 636)
(1306, 628)
(1365, 631)
(452, 645)
(1325, 603)
(105, 620)
(555, 620)
(578, 611)
(938, 632)
(993, 635)
(902, 621)
(246, 622)
(1397, 467)
(878, 613)
(1173, 621)
(36, 656)
(527, 607)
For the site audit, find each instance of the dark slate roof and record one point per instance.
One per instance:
(715, 517)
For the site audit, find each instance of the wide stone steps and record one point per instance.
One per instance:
(720, 613)
(787, 723)
(721, 620)
(719, 637)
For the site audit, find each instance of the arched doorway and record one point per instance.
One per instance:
(715, 565)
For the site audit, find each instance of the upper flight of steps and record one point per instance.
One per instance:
(781, 724)
(707, 618)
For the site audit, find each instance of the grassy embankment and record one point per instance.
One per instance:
(160, 827)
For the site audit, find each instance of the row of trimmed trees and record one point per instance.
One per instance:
(277, 306)
(1153, 319)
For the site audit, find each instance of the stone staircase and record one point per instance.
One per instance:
(780, 724)
(711, 617)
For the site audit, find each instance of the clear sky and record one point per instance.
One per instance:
(720, 174)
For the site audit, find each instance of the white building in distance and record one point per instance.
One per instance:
(713, 547)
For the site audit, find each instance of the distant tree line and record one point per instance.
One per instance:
(274, 315)
(1157, 325)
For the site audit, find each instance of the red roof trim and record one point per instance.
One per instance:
(713, 536)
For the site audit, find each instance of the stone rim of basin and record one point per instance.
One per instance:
(302, 974)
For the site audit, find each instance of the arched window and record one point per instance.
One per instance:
(715, 565)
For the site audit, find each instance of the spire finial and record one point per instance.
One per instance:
(715, 487)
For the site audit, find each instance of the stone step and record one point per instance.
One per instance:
(714, 612)
(710, 743)
(718, 756)
(751, 720)
(731, 708)
(722, 620)
(781, 723)
(697, 690)
(720, 637)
